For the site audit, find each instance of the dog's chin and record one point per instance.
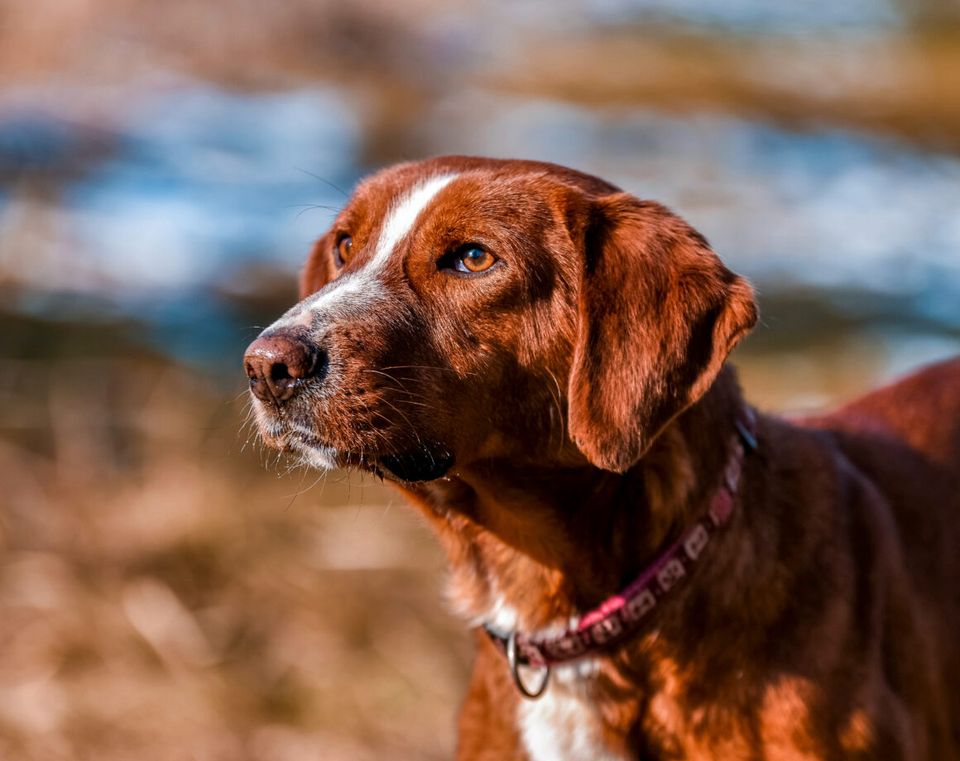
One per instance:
(425, 463)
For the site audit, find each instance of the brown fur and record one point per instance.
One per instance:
(579, 390)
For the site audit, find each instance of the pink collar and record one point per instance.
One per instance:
(619, 616)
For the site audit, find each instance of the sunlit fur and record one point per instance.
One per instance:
(572, 408)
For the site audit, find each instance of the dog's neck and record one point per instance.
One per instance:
(534, 546)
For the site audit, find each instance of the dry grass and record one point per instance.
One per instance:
(169, 590)
(164, 595)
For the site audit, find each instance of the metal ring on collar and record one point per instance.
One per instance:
(514, 663)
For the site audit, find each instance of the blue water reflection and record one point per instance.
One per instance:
(204, 180)
(160, 211)
(753, 15)
(819, 208)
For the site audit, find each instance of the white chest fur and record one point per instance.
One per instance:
(563, 725)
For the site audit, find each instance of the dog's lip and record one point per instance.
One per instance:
(298, 440)
(394, 466)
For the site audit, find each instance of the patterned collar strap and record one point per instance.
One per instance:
(619, 616)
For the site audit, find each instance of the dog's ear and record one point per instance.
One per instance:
(319, 269)
(658, 314)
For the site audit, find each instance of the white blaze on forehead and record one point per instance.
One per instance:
(360, 288)
(403, 215)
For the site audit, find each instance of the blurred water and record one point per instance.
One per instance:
(797, 17)
(750, 17)
(821, 209)
(195, 180)
(157, 212)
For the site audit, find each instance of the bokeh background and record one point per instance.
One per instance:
(170, 591)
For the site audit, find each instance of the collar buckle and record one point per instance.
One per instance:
(513, 660)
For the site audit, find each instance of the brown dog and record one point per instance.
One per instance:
(537, 359)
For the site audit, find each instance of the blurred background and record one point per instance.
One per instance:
(170, 591)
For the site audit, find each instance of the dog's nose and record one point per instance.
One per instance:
(277, 363)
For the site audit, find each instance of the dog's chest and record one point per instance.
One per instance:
(564, 725)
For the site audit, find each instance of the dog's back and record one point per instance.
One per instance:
(905, 440)
(906, 436)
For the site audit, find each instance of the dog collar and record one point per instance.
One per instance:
(619, 616)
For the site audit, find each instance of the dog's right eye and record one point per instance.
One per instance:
(474, 259)
(469, 259)
(342, 250)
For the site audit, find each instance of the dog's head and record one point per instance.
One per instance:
(461, 310)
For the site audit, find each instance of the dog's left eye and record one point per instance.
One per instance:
(342, 249)
(473, 259)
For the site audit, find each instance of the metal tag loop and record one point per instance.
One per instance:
(514, 663)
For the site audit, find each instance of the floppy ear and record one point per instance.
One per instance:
(658, 314)
(319, 269)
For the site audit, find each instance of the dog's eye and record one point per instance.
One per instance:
(342, 249)
(472, 259)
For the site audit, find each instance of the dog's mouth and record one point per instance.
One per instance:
(426, 462)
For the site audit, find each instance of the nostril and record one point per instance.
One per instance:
(252, 369)
(276, 365)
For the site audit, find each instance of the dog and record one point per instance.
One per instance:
(537, 359)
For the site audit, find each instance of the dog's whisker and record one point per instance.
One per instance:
(425, 367)
(558, 401)
(325, 181)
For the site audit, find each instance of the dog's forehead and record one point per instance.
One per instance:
(451, 196)
(397, 197)
(414, 186)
